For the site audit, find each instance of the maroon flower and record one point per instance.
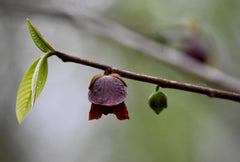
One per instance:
(107, 94)
(197, 50)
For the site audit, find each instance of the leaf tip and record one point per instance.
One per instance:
(28, 21)
(39, 41)
(19, 118)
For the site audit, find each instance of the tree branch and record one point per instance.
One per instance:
(150, 79)
(133, 40)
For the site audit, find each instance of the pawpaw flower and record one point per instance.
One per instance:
(197, 50)
(107, 94)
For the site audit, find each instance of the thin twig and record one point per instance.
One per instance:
(150, 79)
(133, 40)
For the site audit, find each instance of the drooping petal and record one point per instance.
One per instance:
(121, 111)
(95, 112)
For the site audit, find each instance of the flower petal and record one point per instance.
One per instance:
(95, 112)
(121, 111)
(108, 91)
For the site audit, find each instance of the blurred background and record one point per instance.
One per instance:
(192, 128)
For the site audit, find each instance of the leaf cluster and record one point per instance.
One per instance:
(35, 78)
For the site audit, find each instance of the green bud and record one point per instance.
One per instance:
(157, 101)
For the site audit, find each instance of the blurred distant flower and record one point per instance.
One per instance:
(107, 94)
(197, 50)
(190, 38)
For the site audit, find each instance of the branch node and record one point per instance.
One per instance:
(108, 71)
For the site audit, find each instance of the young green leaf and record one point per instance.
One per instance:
(31, 87)
(39, 77)
(24, 96)
(41, 43)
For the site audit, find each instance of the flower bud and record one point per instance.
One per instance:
(157, 101)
